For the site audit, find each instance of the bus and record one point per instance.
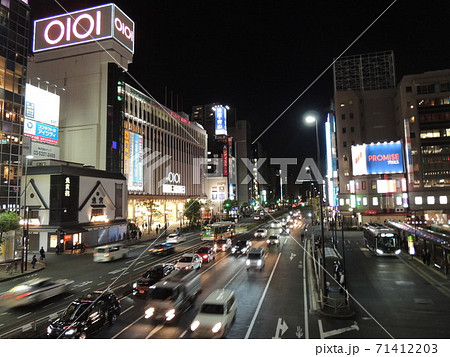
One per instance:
(218, 230)
(381, 240)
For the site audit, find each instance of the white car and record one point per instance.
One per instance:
(216, 315)
(189, 261)
(261, 233)
(34, 291)
(175, 238)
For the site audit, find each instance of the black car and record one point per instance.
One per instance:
(241, 247)
(86, 315)
(162, 249)
(150, 277)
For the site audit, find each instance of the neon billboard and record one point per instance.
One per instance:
(379, 158)
(220, 116)
(92, 24)
(133, 161)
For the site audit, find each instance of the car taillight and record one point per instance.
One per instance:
(22, 296)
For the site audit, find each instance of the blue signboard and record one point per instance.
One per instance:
(41, 132)
(220, 120)
(384, 158)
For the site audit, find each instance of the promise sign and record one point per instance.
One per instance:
(93, 24)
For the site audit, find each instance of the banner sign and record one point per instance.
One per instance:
(40, 132)
(379, 158)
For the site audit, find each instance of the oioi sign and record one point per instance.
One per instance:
(93, 24)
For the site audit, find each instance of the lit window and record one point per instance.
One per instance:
(443, 200)
(364, 201)
(430, 200)
(418, 200)
(398, 200)
(341, 202)
(347, 201)
(375, 201)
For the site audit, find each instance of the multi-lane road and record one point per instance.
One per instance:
(392, 299)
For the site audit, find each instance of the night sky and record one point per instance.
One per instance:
(258, 56)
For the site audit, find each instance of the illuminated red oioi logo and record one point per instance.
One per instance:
(83, 26)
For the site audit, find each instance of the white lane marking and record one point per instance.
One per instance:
(48, 305)
(53, 316)
(127, 309)
(26, 327)
(116, 271)
(261, 300)
(337, 331)
(67, 297)
(86, 289)
(127, 327)
(305, 296)
(103, 282)
(140, 262)
(181, 336)
(155, 330)
(28, 313)
(281, 328)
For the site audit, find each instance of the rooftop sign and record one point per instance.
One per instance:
(92, 24)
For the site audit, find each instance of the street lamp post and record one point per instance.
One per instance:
(25, 215)
(312, 119)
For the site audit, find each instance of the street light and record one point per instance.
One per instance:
(312, 119)
(25, 215)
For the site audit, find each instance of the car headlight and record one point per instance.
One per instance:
(247, 262)
(134, 285)
(379, 251)
(233, 250)
(259, 262)
(170, 314)
(276, 240)
(268, 241)
(70, 331)
(149, 312)
(194, 325)
(49, 329)
(243, 250)
(398, 251)
(216, 327)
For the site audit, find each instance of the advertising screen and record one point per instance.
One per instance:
(87, 25)
(41, 106)
(133, 161)
(386, 186)
(40, 132)
(379, 158)
(220, 120)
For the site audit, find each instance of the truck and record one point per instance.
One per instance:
(173, 295)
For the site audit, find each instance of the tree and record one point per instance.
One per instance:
(9, 221)
(192, 211)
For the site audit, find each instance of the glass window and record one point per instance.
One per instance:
(418, 200)
(398, 200)
(430, 200)
(443, 200)
(364, 201)
(375, 201)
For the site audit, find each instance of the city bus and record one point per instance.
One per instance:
(381, 240)
(218, 230)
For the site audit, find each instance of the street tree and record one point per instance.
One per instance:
(9, 221)
(192, 211)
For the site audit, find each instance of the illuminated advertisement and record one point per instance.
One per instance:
(379, 158)
(40, 132)
(133, 161)
(44, 151)
(386, 186)
(220, 120)
(92, 24)
(41, 105)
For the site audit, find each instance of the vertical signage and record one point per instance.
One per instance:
(225, 160)
(220, 116)
(133, 160)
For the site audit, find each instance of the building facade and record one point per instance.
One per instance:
(423, 114)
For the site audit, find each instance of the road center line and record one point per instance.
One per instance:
(155, 330)
(28, 313)
(127, 327)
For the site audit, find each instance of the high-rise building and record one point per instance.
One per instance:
(365, 123)
(423, 113)
(14, 40)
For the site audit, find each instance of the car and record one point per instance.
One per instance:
(273, 240)
(272, 210)
(255, 259)
(34, 291)
(175, 238)
(110, 252)
(207, 253)
(241, 247)
(86, 315)
(275, 224)
(150, 277)
(216, 315)
(222, 244)
(189, 261)
(162, 249)
(261, 233)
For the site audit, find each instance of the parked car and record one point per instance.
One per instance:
(207, 253)
(175, 238)
(162, 249)
(222, 244)
(150, 277)
(86, 315)
(189, 261)
(241, 247)
(216, 315)
(261, 233)
(34, 291)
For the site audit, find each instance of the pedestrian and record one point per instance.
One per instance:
(57, 249)
(34, 261)
(157, 229)
(428, 257)
(42, 252)
(140, 234)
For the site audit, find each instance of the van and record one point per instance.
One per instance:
(255, 258)
(216, 315)
(106, 253)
